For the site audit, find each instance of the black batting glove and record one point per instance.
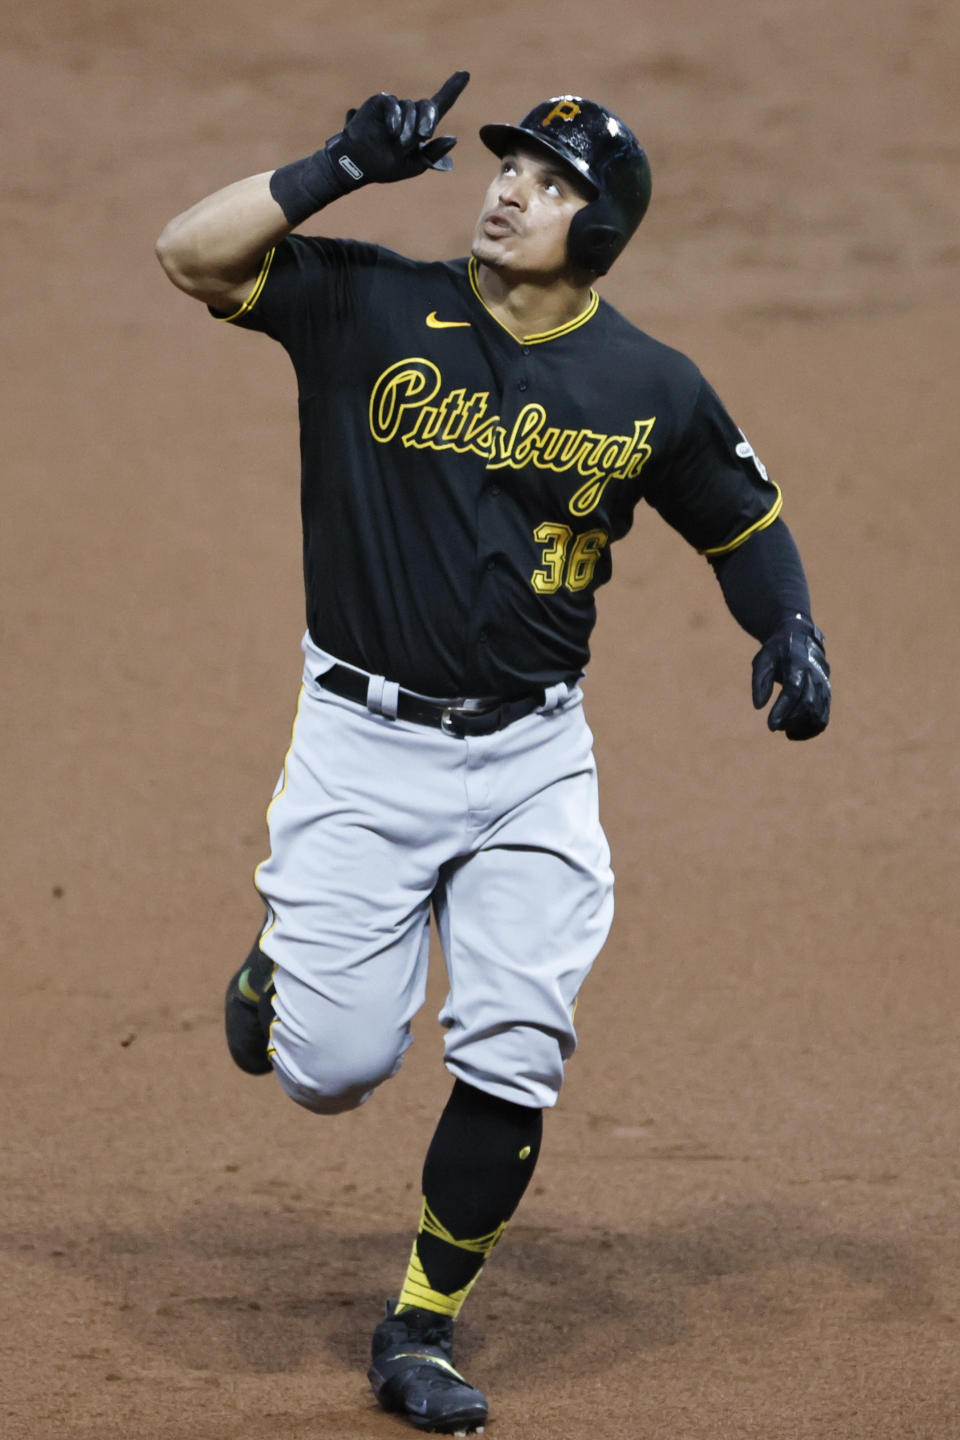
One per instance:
(389, 139)
(794, 658)
(386, 139)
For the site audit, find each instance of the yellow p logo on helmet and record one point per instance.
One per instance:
(563, 110)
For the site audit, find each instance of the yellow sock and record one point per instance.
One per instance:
(417, 1289)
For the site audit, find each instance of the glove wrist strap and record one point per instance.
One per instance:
(798, 621)
(306, 186)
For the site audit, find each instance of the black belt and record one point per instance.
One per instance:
(457, 717)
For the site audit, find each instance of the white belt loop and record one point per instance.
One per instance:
(383, 696)
(553, 697)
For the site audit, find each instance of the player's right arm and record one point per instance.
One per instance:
(215, 250)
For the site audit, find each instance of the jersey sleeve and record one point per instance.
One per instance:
(307, 287)
(712, 488)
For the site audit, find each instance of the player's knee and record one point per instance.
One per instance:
(520, 1063)
(328, 1080)
(323, 1101)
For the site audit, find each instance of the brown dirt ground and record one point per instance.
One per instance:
(745, 1220)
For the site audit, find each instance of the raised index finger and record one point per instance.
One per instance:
(450, 90)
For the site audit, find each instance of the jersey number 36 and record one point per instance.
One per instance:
(563, 563)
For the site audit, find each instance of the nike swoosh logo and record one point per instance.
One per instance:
(246, 989)
(434, 324)
(419, 1355)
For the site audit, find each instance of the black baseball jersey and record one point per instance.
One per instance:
(461, 488)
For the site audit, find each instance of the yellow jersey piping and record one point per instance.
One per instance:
(760, 524)
(537, 339)
(255, 293)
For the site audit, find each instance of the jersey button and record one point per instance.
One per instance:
(492, 563)
(522, 385)
(482, 637)
(494, 489)
(525, 350)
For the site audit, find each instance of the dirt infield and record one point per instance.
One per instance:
(744, 1223)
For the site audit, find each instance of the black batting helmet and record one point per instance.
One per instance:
(604, 153)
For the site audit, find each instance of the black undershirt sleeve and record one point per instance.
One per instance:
(763, 581)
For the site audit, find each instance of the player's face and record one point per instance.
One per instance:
(526, 213)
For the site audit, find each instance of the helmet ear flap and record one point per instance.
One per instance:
(594, 239)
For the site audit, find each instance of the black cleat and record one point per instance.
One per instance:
(412, 1373)
(247, 999)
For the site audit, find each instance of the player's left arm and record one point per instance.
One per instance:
(764, 585)
(716, 492)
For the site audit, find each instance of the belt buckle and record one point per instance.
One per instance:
(464, 708)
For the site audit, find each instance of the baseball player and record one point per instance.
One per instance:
(475, 435)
